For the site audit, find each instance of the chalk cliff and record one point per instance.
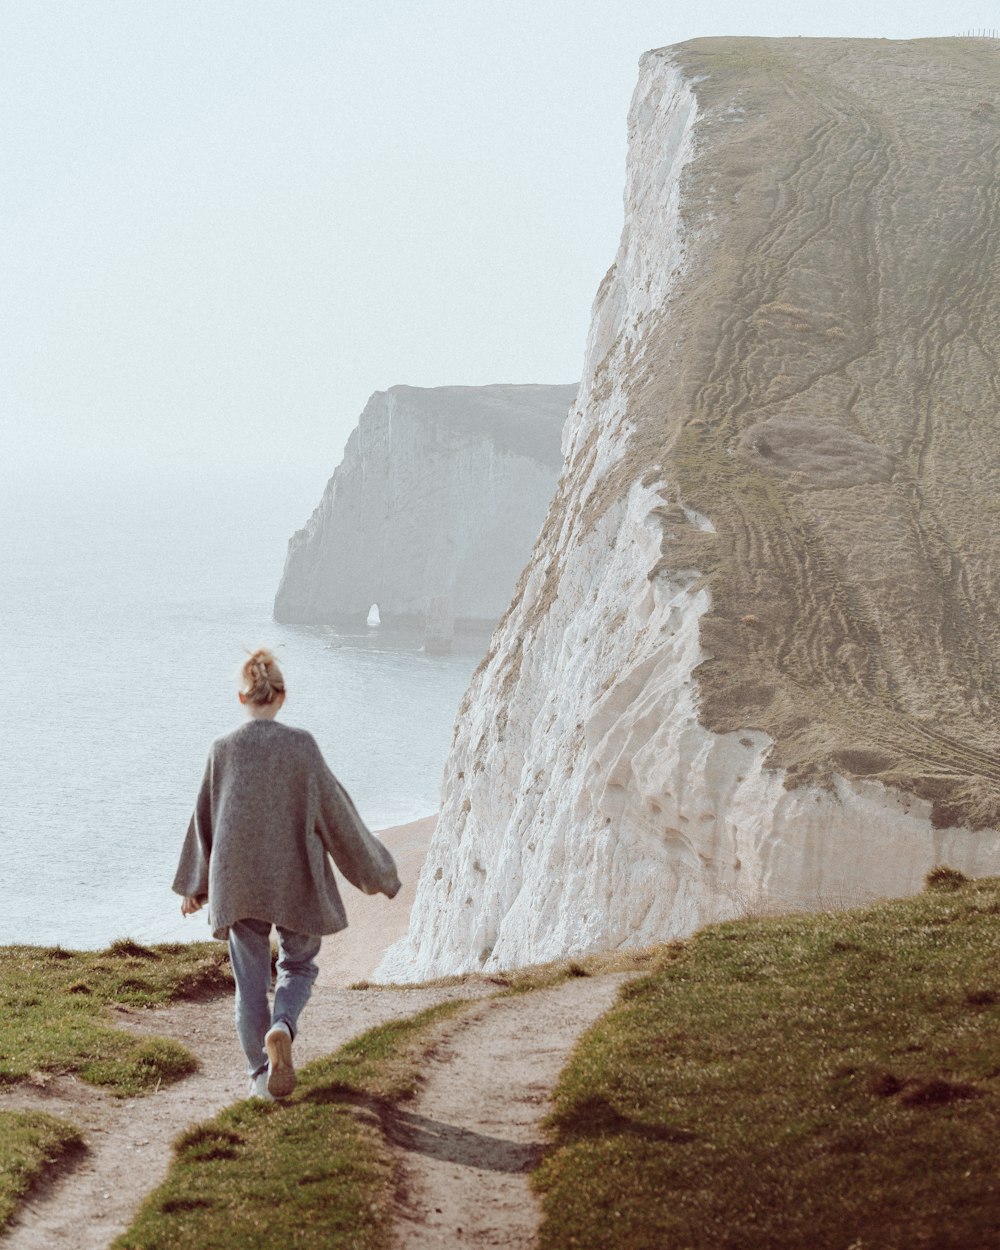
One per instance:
(434, 509)
(752, 661)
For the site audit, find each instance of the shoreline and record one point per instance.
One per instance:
(374, 922)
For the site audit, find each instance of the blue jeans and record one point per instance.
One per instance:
(250, 953)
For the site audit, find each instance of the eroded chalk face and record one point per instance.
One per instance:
(794, 706)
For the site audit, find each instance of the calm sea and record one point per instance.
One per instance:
(124, 614)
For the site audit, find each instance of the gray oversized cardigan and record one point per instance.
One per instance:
(268, 812)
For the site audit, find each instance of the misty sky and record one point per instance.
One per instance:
(224, 224)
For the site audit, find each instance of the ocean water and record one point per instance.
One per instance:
(127, 610)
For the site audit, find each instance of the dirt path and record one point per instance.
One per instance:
(472, 1135)
(468, 1141)
(129, 1140)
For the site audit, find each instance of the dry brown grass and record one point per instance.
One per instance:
(823, 390)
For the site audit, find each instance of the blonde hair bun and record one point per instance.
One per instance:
(261, 679)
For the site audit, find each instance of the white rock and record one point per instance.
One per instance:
(583, 805)
(439, 497)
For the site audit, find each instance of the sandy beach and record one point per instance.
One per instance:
(374, 921)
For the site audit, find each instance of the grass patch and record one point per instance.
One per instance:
(54, 1010)
(31, 1145)
(826, 1081)
(534, 976)
(547, 976)
(313, 1172)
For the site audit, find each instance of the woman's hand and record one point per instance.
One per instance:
(191, 904)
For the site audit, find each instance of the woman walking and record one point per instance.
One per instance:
(268, 814)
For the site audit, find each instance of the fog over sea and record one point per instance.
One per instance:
(124, 614)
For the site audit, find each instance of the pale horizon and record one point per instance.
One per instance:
(224, 229)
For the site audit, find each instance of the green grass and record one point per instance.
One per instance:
(31, 1143)
(55, 1017)
(826, 1081)
(534, 976)
(313, 1172)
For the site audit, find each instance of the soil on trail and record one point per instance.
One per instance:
(469, 1139)
(128, 1140)
(472, 1135)
(825, 388)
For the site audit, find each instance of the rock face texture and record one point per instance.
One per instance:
(753, 659)
(434, 509)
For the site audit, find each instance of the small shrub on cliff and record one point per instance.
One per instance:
(945, 878)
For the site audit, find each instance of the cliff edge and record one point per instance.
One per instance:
(753, 659)
(437, 502)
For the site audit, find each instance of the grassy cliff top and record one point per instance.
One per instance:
(827, 1081)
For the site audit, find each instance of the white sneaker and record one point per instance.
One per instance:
(258, 1087)
(281, 1076)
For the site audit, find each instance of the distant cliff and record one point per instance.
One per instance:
(753, 661)
(434, 509)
